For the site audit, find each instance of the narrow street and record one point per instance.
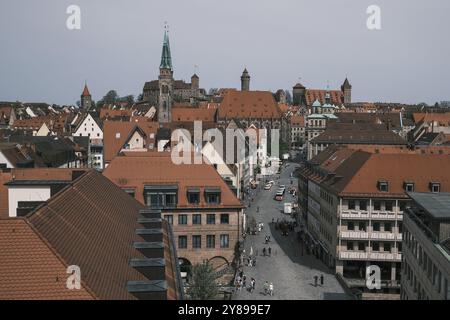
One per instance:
(291, 273)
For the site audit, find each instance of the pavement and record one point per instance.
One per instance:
(291, 273)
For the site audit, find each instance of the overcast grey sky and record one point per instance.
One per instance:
(119, 46)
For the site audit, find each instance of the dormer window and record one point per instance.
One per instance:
(163, 196)
(212, 196)
(193, 195)
(383, 186)
(435, 187)
(409, 186)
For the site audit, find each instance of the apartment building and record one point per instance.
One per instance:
(426, 248)
(352, 203)
(205, 214)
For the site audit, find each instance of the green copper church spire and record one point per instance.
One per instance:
(166, 57)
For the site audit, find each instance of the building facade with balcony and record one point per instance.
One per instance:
(353, 202)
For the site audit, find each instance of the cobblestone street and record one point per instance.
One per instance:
(291, 273)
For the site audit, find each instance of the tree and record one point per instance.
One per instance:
(202, 284)
(111, 97)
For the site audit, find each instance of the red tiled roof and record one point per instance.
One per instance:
(249, 104)
(313, 95)
(193, 114)
(30, 268)
(442, 118)
(115, 134)
(298, 121)
(136, 170)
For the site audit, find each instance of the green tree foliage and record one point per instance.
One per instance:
(202, 284)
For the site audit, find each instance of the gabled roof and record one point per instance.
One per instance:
(154, 168)
(249, 104)
(92, 224)
(116, 133)
(313, 94)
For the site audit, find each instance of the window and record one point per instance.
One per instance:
(193, 197)
(361, 246)
(196, 242)
(350, 225)
(388, 205)
(212, 195)
(435, 187)
(362, 226)
(350, 246)
(387, 247)
(376, 246)
(409, 187)
(182, 242)
(387, 227)
(169, 218)
(182, 219)
(399, 247)
(363, 205)
(383, 186)
(210, 241)
(197, 219)
(351, 205)
(161, 200)
(211, 219)
(224, 241)
(376, 226)
(377, 205)
(224, 219)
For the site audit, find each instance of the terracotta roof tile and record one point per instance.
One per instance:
(29, 268)
(136, 170)
(249, 104)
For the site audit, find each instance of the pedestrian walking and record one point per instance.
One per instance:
(315, 280)
(321, 279)
(271, 289)
(253, 285)
(264, 252)
(270, 251)
(266, 288)
(273, 220)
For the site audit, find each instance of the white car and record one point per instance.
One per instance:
(268, 186)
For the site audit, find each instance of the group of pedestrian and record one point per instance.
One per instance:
(268, 288)
(267, 252)
(267, 239)
(241, 283)
(316, 280)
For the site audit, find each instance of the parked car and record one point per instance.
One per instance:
(279, 197)
(268, 186)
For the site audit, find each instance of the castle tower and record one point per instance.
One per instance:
(165, 82)
(245, 81)
(347, 91)
(86, 98)
(195, 82)
(298, 94)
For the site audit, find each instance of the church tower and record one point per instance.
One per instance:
(165, 82)
(86, 98)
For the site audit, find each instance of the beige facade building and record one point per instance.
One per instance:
(205, 214)
(353, 202)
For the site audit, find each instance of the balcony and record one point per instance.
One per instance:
(362, 235)
(375, 256)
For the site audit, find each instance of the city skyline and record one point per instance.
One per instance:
(208, 36)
